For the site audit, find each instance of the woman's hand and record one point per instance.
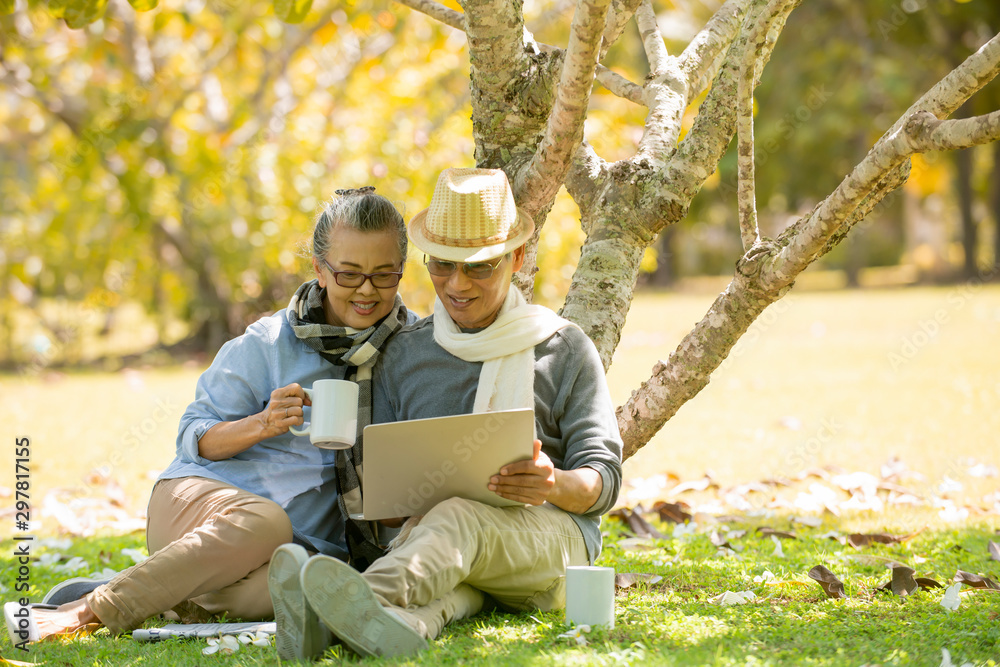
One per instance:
(284, 410)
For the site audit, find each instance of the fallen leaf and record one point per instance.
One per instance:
(832, 586)
(729, 598)
(858, 540)
(673, 512)
(926, 583)
(698, 485)
(767, 531)
(975, 580)
(902, 582)
(720, 541)
(832, 535)
(950, 599)
(629, 579)
(994, 550)
(638, 525)
(637, 544)
(811, 521)
(869, 559)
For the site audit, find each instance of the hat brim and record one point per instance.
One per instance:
(474, 254)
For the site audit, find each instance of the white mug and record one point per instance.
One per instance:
(334, 423)
(590, 596)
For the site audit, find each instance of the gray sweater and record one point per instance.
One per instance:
(574, 417)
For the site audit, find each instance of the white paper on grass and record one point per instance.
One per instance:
(946, 660)
(778, 551)
(951, 599)
(730, 598)
(764, 578)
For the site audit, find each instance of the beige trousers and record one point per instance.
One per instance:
(462, 549)
(210, 544)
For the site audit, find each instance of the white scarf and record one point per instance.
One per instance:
(506, 348)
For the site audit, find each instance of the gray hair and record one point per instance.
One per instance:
(360, 209)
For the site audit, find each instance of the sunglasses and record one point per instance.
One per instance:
(474, 270)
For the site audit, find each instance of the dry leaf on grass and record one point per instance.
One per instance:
(628, 579)
(832, 586)
(869, 559)
(858, 540)
(975, 580)
(673, 512)
(638, 525)
(994, 550)
(902, 582)
(767, 531)
(702, 484)
(637, 544)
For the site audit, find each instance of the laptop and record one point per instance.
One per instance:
(410, 466)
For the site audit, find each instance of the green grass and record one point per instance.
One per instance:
(815, 358)
(672, 622)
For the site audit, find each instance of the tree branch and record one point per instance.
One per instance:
(538, 183)
(618, 17)
(927, 133)
(437, 11)
(587, 171)
(652, 40)
(618, 85)
(665, 94)
(908, 135)
(703, 57)
(750, 69)
(495, 29)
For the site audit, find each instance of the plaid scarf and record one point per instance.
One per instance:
(359, 349)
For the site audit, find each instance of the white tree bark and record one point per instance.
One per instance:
(529, 104)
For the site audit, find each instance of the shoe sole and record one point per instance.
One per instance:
(345, 603)
(300, 634)
(71, 590)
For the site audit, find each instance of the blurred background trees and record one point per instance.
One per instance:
(160, 169)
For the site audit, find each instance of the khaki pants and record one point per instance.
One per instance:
(462, 549)
(210, 544)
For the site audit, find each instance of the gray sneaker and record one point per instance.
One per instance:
(346, 604)
(300, 635)
(72, 589)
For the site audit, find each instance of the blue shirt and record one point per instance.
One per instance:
(287, 469)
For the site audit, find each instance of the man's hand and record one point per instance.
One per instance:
(529, 481)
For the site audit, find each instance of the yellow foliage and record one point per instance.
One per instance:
(927, 176)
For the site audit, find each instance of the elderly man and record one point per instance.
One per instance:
(484, 349)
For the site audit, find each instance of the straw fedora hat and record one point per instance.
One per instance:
(472, 217)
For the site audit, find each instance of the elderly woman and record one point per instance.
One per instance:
(242, 484)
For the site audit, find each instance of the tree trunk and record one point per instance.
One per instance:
(963, 190)
(529, 102)
(996, 208)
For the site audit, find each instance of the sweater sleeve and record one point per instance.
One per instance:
(575, 412)
(237, 384)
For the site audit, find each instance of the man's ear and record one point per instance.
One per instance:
(518, 258)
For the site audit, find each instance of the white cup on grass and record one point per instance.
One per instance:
(590, 596)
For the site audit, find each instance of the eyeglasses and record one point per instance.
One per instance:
(357, 279)
(474, 270)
